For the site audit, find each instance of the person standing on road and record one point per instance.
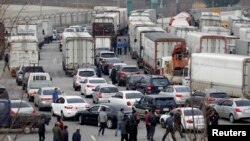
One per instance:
(124, 129)
(59, 120)
(41, 129)
(77, 135)
(56, 132)
(113, 75)
(213, 118)
(169, 127)
(147, 113)
(152, 124)
(133, 127)
(125, 46)
(102, 120)
(55, 95)
(65, 134)
(120, 116)
(6, 62)
(119, 47)
(99, 71)
(177, 122)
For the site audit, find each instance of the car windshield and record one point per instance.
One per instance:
(135, 78)
(195, 112)
(19, 105)
(97, 81)
(242, 103)
(133, 95)
(49, 92)
(112, 61)
(108, 55)
(130, 69)
(75, 100)
(181, 89)
(160, 82)
(164, 101)
(33, 69)
(109, 90)
(86, 73)
(218, 95)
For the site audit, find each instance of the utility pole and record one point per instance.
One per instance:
(41, 7)
(177, 7)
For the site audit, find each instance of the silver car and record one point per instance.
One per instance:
(43, 98)
(104, 92)
(233, 109)
(21, 107)
(180, 93)
(81, 75)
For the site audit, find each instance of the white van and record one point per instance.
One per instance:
(36, 81)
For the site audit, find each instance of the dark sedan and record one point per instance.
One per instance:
(132, 81)
(90, 116)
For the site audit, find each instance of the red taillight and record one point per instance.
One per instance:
(189, 121)
(149, 87)
(178, 95)
(100, 95)
(44, 99)
(68, 107)
(87, 106)
(238, 110)
(122, 74)
(90, 86)
(211, 99)
(128, 103)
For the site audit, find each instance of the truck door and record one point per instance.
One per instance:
(4, 113)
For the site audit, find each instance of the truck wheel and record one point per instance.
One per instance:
(231, 118)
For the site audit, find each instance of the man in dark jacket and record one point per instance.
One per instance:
(152, 125)
(41, 129)
(177, 122)
(124, 129)
(133, 127)
(169, 127)
(113, 75)
(6, 62)
(76, 136)
(65, 134)
(98, 71)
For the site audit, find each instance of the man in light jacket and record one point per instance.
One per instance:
(120, 116)
(102, 120)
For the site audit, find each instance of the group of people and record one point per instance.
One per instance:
(121, 45)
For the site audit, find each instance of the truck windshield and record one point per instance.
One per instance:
(107, 55)
(181, 72)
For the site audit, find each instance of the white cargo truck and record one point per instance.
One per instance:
(33, 29)
(24, 51)
(103, 42)
(108, 18)
(138, 44)
(216, 30)
(150, 13)
(209, 19)
(244, 33)
(232, 20)
(181, 31)
(225, 72)
(47, 31)
(77, 51)
(242, 47)
(198, 42)
(133, 18)
(237, 26)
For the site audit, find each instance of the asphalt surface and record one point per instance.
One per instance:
(51, 61)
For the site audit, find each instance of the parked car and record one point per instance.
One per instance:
(207, 97)
(67, 106)
(3, 92)
(124, 71)
(233, 109)
(180, 93)
(90, 83)
(116, 65)
(132, 80)
(126, 97)
(43, 98)
(188, 117)
(107, 64)
(152, 84)
(103, 93)
(90, 116)
(21, 107)
(101, 49)
(103, 55)
(161, 104)
(80, 75)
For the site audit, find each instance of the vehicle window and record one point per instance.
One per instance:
(119, 95)
(39, 77)
(112, 61)
(106, 108)
(60, 100)
(109, 90)
(34, 69)
(164, 101)
(195, 112)
(107, 55)
(75, 100)
(218, 95)
(135, 78)
(39, 92)
(2, 106)
(97, 81)
(133, 95)
(160, 82)
(242, 103)
(94, 109)
(19, 105)
(86, 73)
(144, 80)
(130, 69)
(49, 92)
(181, 89)
(170, 89)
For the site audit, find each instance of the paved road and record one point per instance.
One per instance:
(51, 61)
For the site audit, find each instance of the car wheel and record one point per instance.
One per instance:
(231, 118)
(81, 120)
(163, 123)
(109, 124)
(52, 112)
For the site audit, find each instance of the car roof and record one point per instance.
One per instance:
(156, 76)
(124, 66)
(72, 96)
(86, 69)
(129, 91)
(107, 85)
(238, 99)
(158, 96)
(48, 88)
(18, 100)
(117, 105)
(2, 86)
(213, 91)
(95, 78)
(119, 64)
(105, 51)
(176, 86)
